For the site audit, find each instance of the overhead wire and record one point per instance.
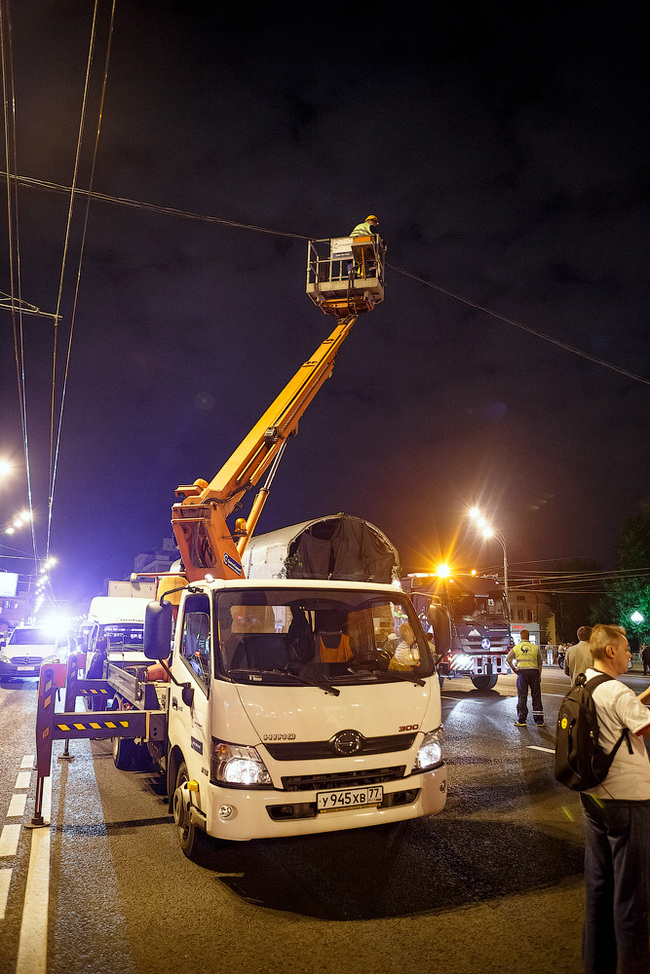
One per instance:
(13, 227)
(207, 218)
(66, 241)
(518, 324)
(82, 245)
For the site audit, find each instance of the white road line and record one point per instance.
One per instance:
(23, 780)
(5, 882)
(27, 761)
(536, 747)
(9, 840)
(47, 798)
(32, 947)
(17, 806)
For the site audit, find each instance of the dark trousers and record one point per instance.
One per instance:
(526, 679)
(617, 881)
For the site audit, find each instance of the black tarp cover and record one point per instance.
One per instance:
(353, 553)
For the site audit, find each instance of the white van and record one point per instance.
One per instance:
(27, 648)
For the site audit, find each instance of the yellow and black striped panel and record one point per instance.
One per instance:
(96, 723)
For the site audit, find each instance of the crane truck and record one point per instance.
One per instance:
(281, 714)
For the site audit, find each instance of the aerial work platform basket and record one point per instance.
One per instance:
(345, 275)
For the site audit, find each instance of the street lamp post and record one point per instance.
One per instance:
(489, 532)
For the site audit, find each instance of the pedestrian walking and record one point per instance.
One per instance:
(645, 658)
(617, 817)
(526, 660)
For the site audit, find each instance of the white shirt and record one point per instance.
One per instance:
(617, 707)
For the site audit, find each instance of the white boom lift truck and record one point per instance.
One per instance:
(283, 712)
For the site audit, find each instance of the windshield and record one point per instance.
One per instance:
(31, 637)
(123, 636)
(480, 608)
(278, 635)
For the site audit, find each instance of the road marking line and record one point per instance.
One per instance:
(32, 947)
(23, 779)
(17, 806)
(9, 840)
(536, 747)
(46, 804)
(5, 882)
(27, 761)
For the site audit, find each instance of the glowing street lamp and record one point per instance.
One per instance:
(489, 532)
(17, 521)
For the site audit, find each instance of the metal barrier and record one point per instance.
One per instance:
(144, 719)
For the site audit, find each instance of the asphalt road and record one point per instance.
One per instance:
(492, 884)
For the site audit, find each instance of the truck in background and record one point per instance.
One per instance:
(120, 621)
(475, 610)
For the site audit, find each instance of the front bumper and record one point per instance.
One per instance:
(18, 671)
(241, 815)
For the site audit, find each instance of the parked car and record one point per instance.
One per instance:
(27, 648)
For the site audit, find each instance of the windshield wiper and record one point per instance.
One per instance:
(321, 684)
(389, 675)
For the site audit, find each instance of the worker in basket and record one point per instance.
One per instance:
(363, 248)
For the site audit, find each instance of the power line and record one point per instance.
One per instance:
(518, 324)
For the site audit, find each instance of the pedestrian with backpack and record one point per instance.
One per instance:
(525, 659)
(616, 807)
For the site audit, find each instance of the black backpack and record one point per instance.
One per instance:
(580, 762)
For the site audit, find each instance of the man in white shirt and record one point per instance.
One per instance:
(578, 657)
(617, 818)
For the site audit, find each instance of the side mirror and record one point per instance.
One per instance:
(157, 630)
(187, 695)
(439, 619)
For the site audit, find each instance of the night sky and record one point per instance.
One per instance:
(505, 152)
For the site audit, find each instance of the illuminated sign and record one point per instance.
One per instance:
(8, 584)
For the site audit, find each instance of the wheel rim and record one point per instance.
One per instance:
(183, 831)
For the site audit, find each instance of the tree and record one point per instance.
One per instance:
(632, 593)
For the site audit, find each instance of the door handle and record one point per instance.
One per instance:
(174, 703)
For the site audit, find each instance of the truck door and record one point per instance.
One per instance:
(192, 664)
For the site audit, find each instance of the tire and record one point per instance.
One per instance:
(129, 756)
(192, 840)
(485, 682)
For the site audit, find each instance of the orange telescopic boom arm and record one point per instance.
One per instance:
(206, 544)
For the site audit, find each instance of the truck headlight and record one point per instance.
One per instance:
(4, 658)
(430, 752)
(237, 766)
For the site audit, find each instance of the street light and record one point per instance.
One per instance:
(489, 532)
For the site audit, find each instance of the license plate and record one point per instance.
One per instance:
(24, 668)
(334, 801)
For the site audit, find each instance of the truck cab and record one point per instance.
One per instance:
(288, 713)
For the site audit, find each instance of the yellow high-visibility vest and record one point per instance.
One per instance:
(526, 656)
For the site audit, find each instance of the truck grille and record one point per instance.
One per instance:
(27, 660)
(342, 779)
(319, 750)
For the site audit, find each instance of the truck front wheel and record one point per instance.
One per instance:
(192, 840)
(485, 682)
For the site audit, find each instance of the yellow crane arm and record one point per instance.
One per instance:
(199, 520)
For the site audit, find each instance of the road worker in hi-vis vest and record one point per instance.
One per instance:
(525, 659)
